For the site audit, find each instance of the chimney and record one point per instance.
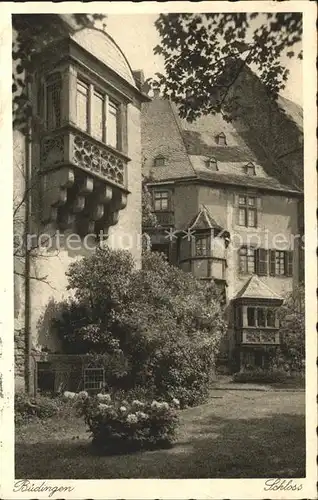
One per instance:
(139, 78)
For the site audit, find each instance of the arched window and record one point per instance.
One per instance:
(53, 101)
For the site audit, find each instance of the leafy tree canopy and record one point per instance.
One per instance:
(204, 54)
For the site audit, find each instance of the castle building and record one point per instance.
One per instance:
(77, 175)
(229, 203)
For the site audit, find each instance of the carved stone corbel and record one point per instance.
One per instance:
(54, 192)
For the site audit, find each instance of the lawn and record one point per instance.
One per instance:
(237, 434)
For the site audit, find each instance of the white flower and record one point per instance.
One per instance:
(141, 415)
(69, 395)
(159, 406)
(137, 403)
(103, 406)
(176, 402)
(123, 408)
(165, 405)
(132, 418)
(83, 394)
(104, 397)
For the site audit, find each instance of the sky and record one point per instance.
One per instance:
(137, 36)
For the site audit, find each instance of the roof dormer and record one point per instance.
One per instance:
(249, 169)
(221, 139)
(160, 161)
(211, 164)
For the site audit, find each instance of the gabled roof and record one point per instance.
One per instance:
(203, 220)
(254, 288)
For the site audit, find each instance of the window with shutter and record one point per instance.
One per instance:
(261, 261)
(289, 263)
(247, 260)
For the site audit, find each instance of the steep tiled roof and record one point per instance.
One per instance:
(187, 147)
(161, 136)
(254, 288)
(293, 110)
(269, 183)
(203, 220)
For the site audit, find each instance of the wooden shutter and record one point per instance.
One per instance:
(261, 259)
(272, 257)
(289, 263)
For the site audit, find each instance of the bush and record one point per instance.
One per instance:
(41, 407)
(27, 409)
(291, 353)
(261, 376)
(167, 324)
(119, 426)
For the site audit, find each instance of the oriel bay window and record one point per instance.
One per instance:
(53, 101)
(261, 317)
(97, 114)
(202, 244)
(82, 105)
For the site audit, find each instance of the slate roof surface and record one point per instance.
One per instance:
(198, 142)
(203, 220)
(293, 110)
(269, 183)
(254, 288)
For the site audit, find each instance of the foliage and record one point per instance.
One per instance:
(149, 218)
(291, 353)
(118, 426)
(204, 55)
(41, 407)
(261, 376)
(33, 33)
(167, 324)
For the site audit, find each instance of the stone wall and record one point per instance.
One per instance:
(19, 359)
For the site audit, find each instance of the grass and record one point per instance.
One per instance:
(237, 434)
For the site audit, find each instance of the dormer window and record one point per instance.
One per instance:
(160, 161)
(53, 101)
(212, 164)
(250, 169)
(221, 139)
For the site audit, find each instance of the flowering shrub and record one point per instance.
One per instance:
(118, 426)
(162, 325)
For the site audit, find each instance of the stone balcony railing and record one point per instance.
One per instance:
(84, 182)
(260, 336)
